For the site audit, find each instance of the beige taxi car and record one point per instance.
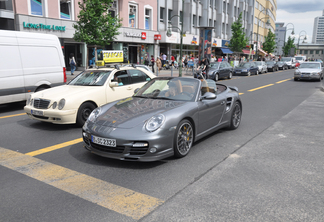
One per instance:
(73, 103)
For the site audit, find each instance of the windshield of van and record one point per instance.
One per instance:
(90, 78)
(286, 59)
(299, 58)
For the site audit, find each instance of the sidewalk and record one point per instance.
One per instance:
(277, 176)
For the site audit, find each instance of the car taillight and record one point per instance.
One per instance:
(64, 73)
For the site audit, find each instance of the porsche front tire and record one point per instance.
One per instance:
(183, 139)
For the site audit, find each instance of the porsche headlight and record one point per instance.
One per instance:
(61, 104)
(155, 122)
(94, 114)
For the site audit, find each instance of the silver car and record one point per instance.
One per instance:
(262, 66)
(162, 119)
(309, 71)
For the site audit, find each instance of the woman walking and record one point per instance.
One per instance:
(72, 63)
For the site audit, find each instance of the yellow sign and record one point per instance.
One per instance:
(112, 56)
(100, 63)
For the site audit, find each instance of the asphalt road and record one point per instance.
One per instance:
(241, 175)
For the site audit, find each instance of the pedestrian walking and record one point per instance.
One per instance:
(158, 64)
(72, 63)
(152, 63)
(164, 57)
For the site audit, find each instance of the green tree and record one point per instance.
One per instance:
(95, 25)
(269, 43)
(289, 45)
(238, 40)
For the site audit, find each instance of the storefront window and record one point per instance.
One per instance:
(36, 7)
(132, 21)
(65, 7)
(148, 18)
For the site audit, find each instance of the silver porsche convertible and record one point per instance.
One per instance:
(162, 119)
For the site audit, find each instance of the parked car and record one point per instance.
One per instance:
(262, 66)
(218, 70)
(162, 119)
(282, 65)
(246, 68)
(309, 71)
(73, 103)
(290, 61)
(272, 66)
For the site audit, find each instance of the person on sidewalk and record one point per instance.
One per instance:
(152, 63)
(72, 63)
(158, 64)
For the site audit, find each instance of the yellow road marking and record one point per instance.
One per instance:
(55, 147)
(121, 200)
(20, 114)
(241, 93)
(251, 90)
(283, 80)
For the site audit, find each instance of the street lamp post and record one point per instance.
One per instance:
(267, 23)
(299, 39)
(169, 33)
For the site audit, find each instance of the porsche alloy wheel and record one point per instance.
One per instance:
(236, 116)
(183, 139)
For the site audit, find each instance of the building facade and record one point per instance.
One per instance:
(280, 33)
(216, 15)
(312, 51)
(264, 11)
(318, 30)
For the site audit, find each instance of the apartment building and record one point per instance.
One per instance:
(318, 30)
(265, 10)
(138, 35)
(216, 15)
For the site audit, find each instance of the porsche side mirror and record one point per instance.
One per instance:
(113, 84)
(208, 96)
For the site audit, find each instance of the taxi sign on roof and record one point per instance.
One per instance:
(110, 56)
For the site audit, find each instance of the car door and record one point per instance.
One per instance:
(124, 88)
(138, 78)
(222, 70)
(254, 68)
(210, 111)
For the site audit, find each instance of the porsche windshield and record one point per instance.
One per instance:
(91, 78)
(184, 89)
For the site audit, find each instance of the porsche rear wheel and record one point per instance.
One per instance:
(183, 139)
(236, 116)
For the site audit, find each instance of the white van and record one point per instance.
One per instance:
(300, 58)
(29, 62)
(290, 61)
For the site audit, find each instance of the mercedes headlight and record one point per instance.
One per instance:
(61, 104)
(54, 105)
(28, 100)
(155, 122)
(94, 114)
(315, 73)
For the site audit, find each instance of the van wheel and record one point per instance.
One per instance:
(40, 88)
(84, 112)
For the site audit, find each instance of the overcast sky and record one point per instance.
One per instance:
(301, 14)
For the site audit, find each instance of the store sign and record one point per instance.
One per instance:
(143, 35)
(157, 37)
(225, 43)
(110, 56)
(133, 34)
(43, 26)
(215, 43)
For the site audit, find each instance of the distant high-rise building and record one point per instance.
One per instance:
(318, 30)
(280, 33)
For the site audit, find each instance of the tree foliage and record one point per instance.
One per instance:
(95, 26)
(238, 40)
(288, 45)
(269, 44)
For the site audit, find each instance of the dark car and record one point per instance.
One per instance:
(218, 70)
(163, 118)
(246, 68)
(272, 66)
(282, 65)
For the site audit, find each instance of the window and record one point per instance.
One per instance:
(162, 14)
(169, 15)
(256, 4)
(148, 18)
(113, 10)
(132, 17)
(317, 51)
(65, 7)
(311, 51)
(138, 76)
(36, 7)
(194, 22)
(305, 51)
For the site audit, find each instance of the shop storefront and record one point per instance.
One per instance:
(63, 29)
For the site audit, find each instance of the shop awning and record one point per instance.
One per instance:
(226, 51)
(247, 52)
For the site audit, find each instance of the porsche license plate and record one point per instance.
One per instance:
(103, 141)
(37, 113)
